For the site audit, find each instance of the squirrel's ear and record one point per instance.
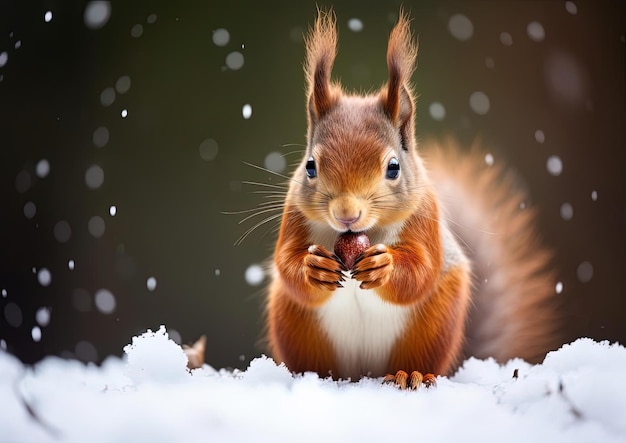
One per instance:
(397, 96)
(321, 48)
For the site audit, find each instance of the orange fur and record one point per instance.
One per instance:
(407, 300)
(401, 58)
(434, 338)
(514, 311)
(321, 49)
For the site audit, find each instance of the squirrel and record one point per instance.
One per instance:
(455, 268)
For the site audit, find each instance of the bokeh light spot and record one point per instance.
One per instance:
(122, 85)
(246, 111)
(97, 14)
(30, 210)
(479, 102)
(62, 231)
(584, 272)
(151, 284)
(96, 226)
(535, 31)
(275, 161)
(460, 27)
(94, 177)
(100, 137)
(221, 37)
(13, 315)
(235, 60)
(355, 25)
(567, 211)
(554, 165)
(42, 316)
(105, 301)
(107, 97)
(208, 149)
(44, 277)
(506, 39)
(254, 275)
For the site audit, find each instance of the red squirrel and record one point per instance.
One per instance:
(455, 268)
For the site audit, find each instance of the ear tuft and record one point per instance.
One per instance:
(401, 59)
(321, 49)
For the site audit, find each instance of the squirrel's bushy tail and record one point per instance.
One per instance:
(514, 312)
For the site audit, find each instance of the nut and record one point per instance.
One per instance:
(350, 245)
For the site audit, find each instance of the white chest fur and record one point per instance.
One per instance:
(362, 329)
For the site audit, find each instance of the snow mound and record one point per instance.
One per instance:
(578, 394)
(154, 357)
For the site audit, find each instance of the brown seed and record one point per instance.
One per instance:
(350, 245)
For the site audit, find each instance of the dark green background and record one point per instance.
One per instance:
(170, 202)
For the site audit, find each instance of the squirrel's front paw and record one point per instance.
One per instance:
(373, 268)
(323, 268)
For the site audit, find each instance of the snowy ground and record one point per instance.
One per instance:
(578, 394)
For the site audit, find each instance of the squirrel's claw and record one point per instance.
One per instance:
(402, 380)
(324, 269)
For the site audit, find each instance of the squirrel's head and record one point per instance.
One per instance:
(361, 169)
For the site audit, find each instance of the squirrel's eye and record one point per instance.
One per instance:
(311, 170)
(393, 169)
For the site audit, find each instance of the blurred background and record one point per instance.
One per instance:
(125, 129)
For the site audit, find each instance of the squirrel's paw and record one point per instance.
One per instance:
(373, 267)
(323, 268)
(402, 380)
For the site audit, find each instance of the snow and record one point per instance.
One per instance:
(42, 169)
(107, 96)
(44, 277)
(479, 102)
(584, 272)
(254, 274)
(122, 85)
(578, 394)
(460, 27)
(62, 231)
(506, 39)
(97, 14)
(96, 226)
(94, 177)
(30, 210)
(246, 110)
(567, 211)
(221, 37)
(151, 284)
(101, 137)
(554, 165)
(136, 31)
(275, 162)
(355, 25)
(105, 301)
(437, 111)
(535, 31)
(540, 137)
(208, 149)
(235, 60)
(43, 316)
